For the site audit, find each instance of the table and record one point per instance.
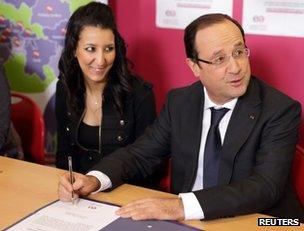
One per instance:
(26, 187)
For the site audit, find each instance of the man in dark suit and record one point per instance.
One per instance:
(237, 165)
(5, 101)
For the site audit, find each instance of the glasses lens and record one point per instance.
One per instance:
(223, 59)
(220, 60)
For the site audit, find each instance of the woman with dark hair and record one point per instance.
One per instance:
(100, 105)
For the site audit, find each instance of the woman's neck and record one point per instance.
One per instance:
(94, 89)
(94, 92)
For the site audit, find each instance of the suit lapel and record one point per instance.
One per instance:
(242, 121)
(192, 126)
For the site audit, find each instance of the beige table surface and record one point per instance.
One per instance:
(26, 187)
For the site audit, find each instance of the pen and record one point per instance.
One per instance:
(71, 175)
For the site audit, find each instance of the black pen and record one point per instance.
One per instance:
(71, 175)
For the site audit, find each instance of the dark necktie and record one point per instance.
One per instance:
(212, 148)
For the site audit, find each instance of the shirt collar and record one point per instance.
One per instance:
(208, 103)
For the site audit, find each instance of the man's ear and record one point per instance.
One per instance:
(193, 66)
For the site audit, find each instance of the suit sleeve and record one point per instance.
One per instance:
(145, 112)
(143, 157)
(63, 147)
(265, 186)
(5, 100)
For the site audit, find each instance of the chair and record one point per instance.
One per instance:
(28, 122)
(298, 173)
(301, 135)
(165, 181)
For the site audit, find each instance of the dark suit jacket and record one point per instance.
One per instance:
(255, 159)
(5, 101)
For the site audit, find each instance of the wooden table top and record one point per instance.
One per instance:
(26, 187)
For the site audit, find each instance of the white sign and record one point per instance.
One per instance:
(179, 13)
(102, 1)
(265, 17)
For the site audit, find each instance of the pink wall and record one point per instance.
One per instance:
(159, 57)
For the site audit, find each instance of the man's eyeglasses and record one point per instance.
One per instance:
(222, 59)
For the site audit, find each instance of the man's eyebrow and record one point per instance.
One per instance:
(215, 53)
(238, 44)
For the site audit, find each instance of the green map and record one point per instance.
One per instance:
(31, 40)
(32, 34)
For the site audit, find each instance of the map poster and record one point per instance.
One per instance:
(179, 13)
(267, 17)
(31, 40)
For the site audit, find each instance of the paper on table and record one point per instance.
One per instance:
(84, 215)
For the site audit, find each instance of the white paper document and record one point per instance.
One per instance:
(85, 215)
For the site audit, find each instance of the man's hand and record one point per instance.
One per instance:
(82, 186)
(154, 208)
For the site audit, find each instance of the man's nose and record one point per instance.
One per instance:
(234, 65)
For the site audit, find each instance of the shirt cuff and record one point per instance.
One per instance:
(104, 180)
(192, 208)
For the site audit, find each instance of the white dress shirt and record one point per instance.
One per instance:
(104, 180)
(192, 208)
